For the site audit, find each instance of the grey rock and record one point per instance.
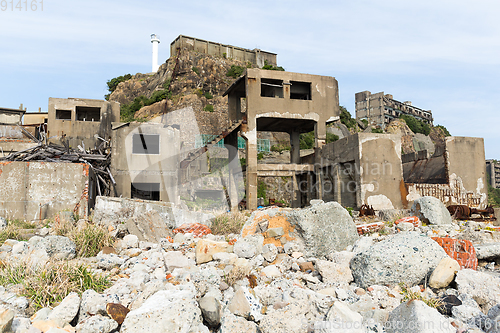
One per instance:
(93, 303)
(431, 210)
(249, 246)
(465, 313)
(406, 257)
(487, 251)
(484, 288)
(165, 311)
(3, 223)
(323, 228)
(269, 252)
(58, 247)
(211, 310)
(416, 317)
(66, 311)
(97, 324)
(108, 261)
(423, 142)
(275, 232)
(6, 318)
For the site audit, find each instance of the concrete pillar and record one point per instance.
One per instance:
(295, 147)
(251, 152)
(296, 192)
(234, 107)
(231, 143)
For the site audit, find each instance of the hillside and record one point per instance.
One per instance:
(190, 79)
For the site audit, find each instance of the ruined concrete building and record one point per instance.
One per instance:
(493, 170)
(81, 119)
(256, 57)
(282, 102)
(379, 109)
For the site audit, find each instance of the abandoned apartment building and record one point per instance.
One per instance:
(493, 171)
(380, 109)
(155, 160)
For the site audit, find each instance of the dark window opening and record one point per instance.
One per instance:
(88, 113)
(271, 88)
(146, 144)
(63, 114)
(145, 191)
(300, 90)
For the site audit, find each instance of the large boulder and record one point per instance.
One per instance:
(416, 317)
(487, 251)
(484, 288)
(58, 247)
(165, 311)
(317, 230)
(431, 210)
(406, 257)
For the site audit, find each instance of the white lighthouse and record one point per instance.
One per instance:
(155, 40)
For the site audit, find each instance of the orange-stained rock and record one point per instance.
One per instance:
(205, 249)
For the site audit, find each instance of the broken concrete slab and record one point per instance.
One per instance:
(149, 227)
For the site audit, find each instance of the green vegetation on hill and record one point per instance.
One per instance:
(417, 126)
(346, 118)
(307, 139)
(445, 131)
(113, 83)
(127, 111)
(235, 71)
(493, 196)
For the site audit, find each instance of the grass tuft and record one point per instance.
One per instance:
(90, 240)
(50, 283)
(228, 223)
(409, 295)
(11, 232)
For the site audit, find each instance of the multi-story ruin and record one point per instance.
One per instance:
(493, 170)
(379, 109)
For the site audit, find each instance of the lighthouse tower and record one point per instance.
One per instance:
(155, 40)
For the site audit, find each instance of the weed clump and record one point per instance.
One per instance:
(228, 223)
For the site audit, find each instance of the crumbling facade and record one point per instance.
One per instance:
(79, 120)
(379, 109)
(145, 161)
(282, 102)
(256, 57)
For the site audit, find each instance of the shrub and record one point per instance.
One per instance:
(306, 140)
(417, 126)
(271, 67)
(49, 284)
(280, 148)
(228, 223)
(377, 130)
(346, 119)
(208, 108)
(445, 131)
(330, 137)
(261, 189)
(235, 71)
(113, 83)
(196, 70)
(208, 95)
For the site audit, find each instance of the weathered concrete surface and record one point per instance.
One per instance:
(76, 128)
(113, 211)
(149, 227)
(141, 168)
(405, 257)
(364, 169)
(39, 190)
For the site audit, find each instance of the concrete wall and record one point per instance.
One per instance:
(35, 118)
(77, 130)
(364, 168)
(255, 56)
(39, 190)
(11, 116)
(465, 169)
(128, 167)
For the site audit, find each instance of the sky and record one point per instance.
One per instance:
(442, 55)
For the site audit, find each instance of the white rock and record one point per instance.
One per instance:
(444, 273)
(58, 247)
(6, 318)
(175, 259)
(93, 302)
(337, 271)
(165, 311)
(271, 271)
(130, 241)
(341, 318)
(20, 248)
(269, 252)
(211, 310)
(484, 288)
(245, 304)
(232, 324)
(416, 317)
(66, 311)
(249, 246)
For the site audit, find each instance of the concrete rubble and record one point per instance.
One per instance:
(295, 280)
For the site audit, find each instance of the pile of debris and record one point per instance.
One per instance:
(98, 159)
